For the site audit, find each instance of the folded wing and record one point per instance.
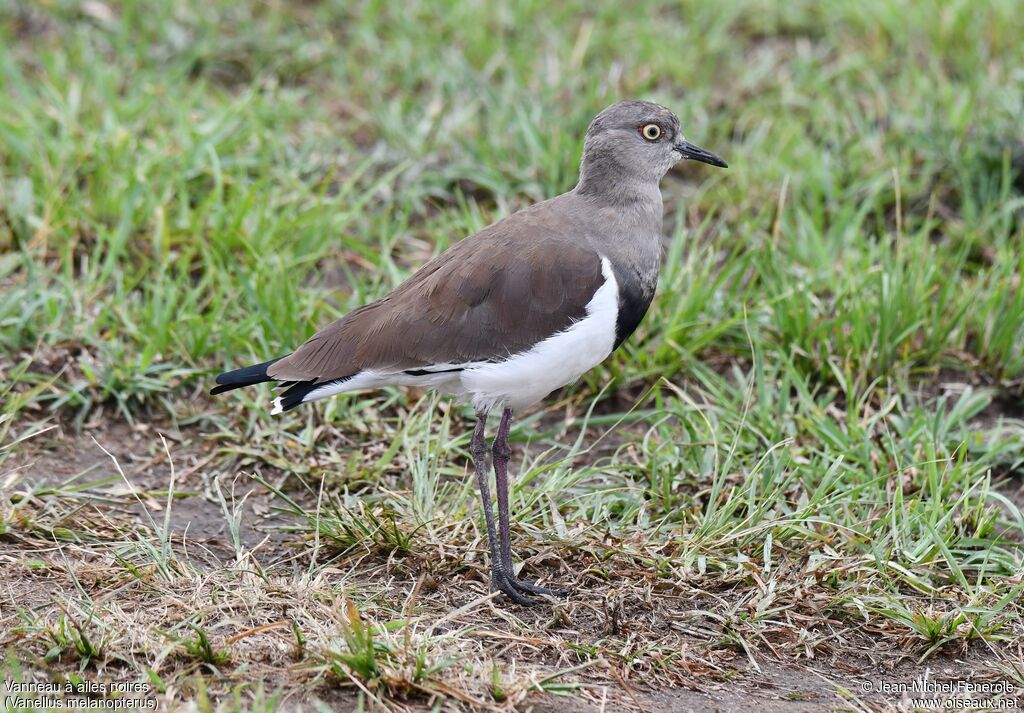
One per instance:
(494, 294)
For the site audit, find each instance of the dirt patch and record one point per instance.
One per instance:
(127, 470)
(273, 608)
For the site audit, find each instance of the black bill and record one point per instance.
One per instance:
(696, 153)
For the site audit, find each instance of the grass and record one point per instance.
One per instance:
(811, 450)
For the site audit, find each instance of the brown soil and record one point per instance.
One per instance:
(713, 678)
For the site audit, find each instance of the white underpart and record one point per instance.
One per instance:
(524, 378)
(529, 376)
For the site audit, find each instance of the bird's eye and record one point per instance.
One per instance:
(651, 132)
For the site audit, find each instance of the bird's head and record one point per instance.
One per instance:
(637, 140)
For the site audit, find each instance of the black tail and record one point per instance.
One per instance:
(246, 376)
(297, 391)
(294, 394)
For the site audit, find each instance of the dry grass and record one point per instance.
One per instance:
(228, 585)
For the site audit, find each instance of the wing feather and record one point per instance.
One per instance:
(494, 294)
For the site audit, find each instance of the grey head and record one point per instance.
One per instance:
(635, 142)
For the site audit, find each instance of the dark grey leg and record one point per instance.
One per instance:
(502, 452)
(478, 448)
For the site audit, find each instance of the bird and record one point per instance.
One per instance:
(506, 316)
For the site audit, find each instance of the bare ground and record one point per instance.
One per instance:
(627, 639)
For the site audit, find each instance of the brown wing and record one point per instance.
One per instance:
(494, 294)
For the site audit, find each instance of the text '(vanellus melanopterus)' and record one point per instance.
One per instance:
(519, 309)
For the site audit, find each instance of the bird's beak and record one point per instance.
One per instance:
(688, 150)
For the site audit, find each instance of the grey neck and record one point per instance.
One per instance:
(626, 214)
(602, 179)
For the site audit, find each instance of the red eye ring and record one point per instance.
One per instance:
(651, 132)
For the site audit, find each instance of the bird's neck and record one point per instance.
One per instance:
(606, 183)
(626, 223)
(631, 202)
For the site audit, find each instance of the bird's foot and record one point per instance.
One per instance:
(537, 589)
(514, 589)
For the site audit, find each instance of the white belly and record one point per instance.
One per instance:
(529, 376)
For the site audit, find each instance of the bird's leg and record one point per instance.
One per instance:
(502, 452)
(478, 448)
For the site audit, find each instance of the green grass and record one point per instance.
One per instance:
(822, 405)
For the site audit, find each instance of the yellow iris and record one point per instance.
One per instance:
(651, 132)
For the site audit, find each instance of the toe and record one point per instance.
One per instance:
(520, 599)
(507, 586)
(536, 589)
(514, 596)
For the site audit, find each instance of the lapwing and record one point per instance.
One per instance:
(506, 316)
